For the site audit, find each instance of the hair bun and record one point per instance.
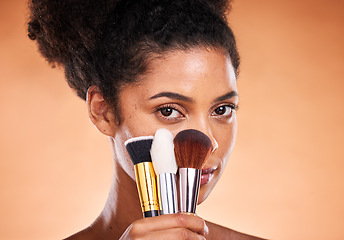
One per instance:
(62, 28)
(109, 43)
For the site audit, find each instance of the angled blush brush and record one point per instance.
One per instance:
(191, 148)
(165, 166)
(139, 152)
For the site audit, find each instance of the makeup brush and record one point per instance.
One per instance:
(139, 152)
(191, 148)
(165, 166)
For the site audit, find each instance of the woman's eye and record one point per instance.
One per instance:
(224, 110)
(169, 113)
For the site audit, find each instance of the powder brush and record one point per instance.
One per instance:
(165, 166)
(139, 152)
(191, 148)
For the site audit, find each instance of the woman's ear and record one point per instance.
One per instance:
(100, 112)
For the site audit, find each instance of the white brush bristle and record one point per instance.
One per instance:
(135, 139)
(162, 152)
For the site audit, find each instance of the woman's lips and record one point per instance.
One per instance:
(207, 175)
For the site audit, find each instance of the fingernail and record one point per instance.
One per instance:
(206, 229)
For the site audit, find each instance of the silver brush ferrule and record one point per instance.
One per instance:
(167, 193)
(189, 183)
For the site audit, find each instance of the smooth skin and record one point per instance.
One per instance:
(181, 90)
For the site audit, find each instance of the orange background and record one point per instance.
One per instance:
(284, 179)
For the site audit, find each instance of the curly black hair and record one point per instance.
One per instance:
(109, 43)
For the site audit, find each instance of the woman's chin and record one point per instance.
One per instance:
(209, 179)
(204, 192)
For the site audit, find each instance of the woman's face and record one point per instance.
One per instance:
(193, 89)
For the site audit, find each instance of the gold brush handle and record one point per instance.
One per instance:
(147, 186)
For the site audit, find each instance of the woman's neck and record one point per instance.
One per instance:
(122, 207)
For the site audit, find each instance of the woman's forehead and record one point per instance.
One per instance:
(192, 74)
(190, 67)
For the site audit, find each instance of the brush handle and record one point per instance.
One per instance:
(189, 183)
(152, 213)
(167, 190)
(147, 189)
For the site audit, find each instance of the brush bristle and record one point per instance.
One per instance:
(139, 149)
(191, 148)
(162, 152)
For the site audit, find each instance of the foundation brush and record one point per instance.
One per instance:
(165, 166)
(191, 148)
(139, 152)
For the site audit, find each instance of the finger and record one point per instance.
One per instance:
(193, 223)
(172, 234)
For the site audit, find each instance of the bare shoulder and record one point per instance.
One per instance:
(219, 232)
(82, 235)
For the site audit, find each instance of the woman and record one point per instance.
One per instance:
(140, 66)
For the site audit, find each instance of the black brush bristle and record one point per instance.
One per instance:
(191, 148)
(139, 149)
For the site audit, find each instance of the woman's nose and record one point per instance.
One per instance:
(213, 141)
(204, 127)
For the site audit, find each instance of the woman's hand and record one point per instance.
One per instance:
(169, 226)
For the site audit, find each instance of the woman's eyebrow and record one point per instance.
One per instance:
(172, 95)
(226, 96)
